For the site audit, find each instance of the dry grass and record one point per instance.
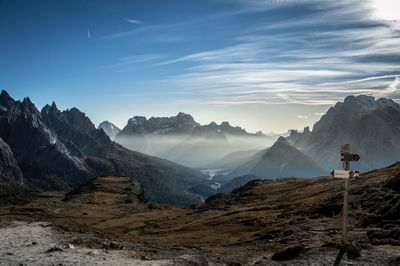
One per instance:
(263, 215)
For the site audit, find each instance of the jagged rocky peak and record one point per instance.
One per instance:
(110, 129)
(50, 109)
(185, 117)
(5, 97)
(368, 103)
(79, 120)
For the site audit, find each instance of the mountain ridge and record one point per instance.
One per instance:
(371, 127)
(63, 149)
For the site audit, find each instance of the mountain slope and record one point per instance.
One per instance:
(371, 127)
(9, 170)
(248, 225)
(280, 160)
(40, 153)
(232, 160)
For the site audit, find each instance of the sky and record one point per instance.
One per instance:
(269, 65)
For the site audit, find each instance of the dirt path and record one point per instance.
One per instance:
(32, 244)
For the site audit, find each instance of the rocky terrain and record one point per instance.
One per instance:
(297, 220)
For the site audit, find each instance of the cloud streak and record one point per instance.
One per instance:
(338, 50)
(133, 21)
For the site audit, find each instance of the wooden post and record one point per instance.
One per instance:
(345, 205)
(345, 150)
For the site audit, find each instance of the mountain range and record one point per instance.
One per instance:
(181, 124)
(372, 127)
(183, 140)
(61, 150)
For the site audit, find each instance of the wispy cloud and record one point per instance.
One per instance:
(133, 21)
(338, 50)
(88, 34)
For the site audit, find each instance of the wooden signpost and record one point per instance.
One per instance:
(346, 157)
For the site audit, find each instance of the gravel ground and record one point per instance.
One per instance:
(31, 244)
(41, 243)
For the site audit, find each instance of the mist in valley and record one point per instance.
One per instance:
(212, 152)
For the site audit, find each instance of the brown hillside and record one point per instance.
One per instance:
(262, 216)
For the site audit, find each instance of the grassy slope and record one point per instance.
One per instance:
(262, 215)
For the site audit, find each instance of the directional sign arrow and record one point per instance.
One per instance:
(340, 173)
(349, 157)
(345, 173)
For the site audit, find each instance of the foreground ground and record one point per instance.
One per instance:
(248, 226)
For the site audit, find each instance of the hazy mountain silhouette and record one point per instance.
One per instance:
(181, 139)
(280, 160)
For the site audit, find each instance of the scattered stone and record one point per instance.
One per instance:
(287, 253)
(115, 245)
(54, 249)
(70, 246)
(34, 243)
(9, 253)
(94, 252)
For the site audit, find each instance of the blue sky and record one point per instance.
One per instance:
(265, 65)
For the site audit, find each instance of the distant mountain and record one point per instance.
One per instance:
(372, 127)
(110, 129)
(9, 170)
(175, 125)
(63, 149)
(181, 139)
(280, 160)
(181, 124)
(223, 128)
